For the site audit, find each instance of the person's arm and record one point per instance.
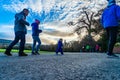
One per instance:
(21, 18)
(39, 31)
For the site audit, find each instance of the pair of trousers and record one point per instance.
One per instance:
(59, 50)
(35, 47)
(19, 36)
(112, 36)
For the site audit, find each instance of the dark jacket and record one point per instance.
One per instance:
(35, 29)
(20, 22)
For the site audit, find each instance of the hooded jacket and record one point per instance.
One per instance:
(111, 15)
(35, 29)
(20, 22)
(59, 45)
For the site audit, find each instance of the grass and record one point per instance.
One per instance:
(26, 51)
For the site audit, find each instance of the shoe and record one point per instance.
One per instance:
(112, 56)
(109, 54)
(37, 53)
(23, 54)
(34, 53)
(8, 53)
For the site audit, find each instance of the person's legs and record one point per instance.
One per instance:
(39, 43)
(112, 35)
(22, 44)
(57, 50)
(15, 41)
(33, 46)
(61, 50)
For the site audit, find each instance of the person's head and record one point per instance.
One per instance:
(111, 2)
(61, 39)
(25, 11)
(37, 21)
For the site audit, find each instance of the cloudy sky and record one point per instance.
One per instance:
(53, 14)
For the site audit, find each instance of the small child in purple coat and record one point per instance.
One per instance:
(59, 46)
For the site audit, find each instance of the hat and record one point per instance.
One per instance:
(111, 2)
(36, 20)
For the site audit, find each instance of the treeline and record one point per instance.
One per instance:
(72, 46)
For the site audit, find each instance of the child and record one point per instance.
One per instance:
(35, 36)
(59, 46)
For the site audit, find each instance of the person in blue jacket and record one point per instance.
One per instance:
(35, 36)
(20, 32)
(59, 46)
(110, 21)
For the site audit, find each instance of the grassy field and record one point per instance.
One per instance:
(27, 51)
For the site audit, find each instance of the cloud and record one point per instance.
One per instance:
(48, 41)
(6, 32)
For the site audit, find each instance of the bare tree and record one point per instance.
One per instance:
(88, 22)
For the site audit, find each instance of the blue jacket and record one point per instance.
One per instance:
(35, 29)
(59, 45)
(20, 22)
(111, 16)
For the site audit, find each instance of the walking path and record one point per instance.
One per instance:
(73, 66)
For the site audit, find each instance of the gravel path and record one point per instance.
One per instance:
(75, 66)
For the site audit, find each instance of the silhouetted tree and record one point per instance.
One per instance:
(88, 22)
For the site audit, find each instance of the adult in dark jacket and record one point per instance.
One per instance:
(110, 21)
(59, 46)
(20, 32)
(35, 36)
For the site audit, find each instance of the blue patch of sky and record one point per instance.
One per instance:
(5, 2)
(6, 17)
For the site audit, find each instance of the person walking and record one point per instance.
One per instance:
(110, 21)
(87, 48)
(59, 46)
(35, 36)
(20, 32)
(97, 48)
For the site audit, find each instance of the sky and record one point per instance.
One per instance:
(53, 14)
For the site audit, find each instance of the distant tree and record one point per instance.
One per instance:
(88, 22)
(103, 41)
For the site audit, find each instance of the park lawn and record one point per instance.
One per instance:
(27, 51)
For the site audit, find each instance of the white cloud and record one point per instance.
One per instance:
(6, 31)
(47, 5)
(6, 28)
